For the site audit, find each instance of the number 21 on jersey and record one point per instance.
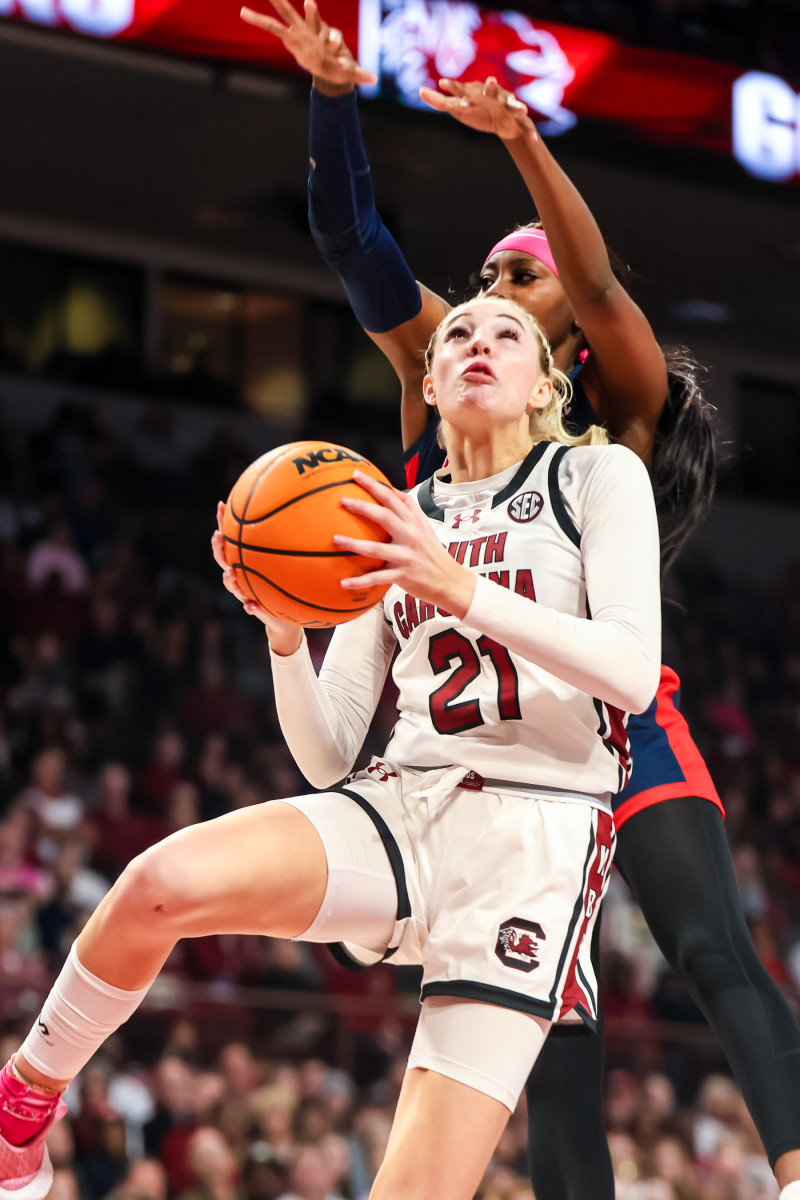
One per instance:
(450, 649)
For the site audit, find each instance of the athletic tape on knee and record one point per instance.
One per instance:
(80, 1012)
(791, 1191)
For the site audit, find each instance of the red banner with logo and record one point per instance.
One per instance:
(564, 74)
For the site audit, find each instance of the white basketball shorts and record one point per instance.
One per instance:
(493, 890)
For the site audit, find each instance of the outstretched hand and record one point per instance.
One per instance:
(315, 46)
(284, 638)
(414, 559)
(483, 106)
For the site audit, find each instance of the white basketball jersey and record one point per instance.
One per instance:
(465, 700)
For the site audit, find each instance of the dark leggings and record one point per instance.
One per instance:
(676, 861)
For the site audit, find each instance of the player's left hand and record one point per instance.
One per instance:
(483, 106)
(315, 46)
(414, 559)
(283, 637)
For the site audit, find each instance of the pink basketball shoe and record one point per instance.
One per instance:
(25, 1170)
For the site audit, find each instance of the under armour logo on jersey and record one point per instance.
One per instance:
(525, 507)
(381, 770)
(518, 944)
(467, 518)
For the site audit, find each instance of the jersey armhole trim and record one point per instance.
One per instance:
(560, 513)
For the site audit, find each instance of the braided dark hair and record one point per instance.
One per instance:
(683, 464)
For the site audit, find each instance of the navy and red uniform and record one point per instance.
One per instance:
(666, 762)
(674, 856)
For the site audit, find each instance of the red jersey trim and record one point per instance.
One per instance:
(662, 792)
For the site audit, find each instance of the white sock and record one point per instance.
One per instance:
(791, 1191)
(78, 1015)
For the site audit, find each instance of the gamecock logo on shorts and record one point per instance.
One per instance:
(518, 944)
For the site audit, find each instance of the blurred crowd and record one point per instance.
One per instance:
(136, 700)
(761, 34)
(244, 1127)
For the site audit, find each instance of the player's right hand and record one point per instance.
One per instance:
(315, 46)
(283, 637)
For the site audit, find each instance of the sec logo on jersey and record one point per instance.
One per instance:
(525, 507)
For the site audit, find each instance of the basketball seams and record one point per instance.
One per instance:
(243, 520)
(239, 543)
(296, 553)
(247, 570)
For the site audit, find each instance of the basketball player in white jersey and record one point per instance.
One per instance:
(523, 617)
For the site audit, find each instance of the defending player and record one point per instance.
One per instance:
(674, 855)
(480, 846)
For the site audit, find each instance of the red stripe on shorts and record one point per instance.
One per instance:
(573, 992)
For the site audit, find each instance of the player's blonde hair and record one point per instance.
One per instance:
(547, 423)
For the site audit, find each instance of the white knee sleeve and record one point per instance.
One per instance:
(488, 1048)
(78, 1015)
(791, 1191)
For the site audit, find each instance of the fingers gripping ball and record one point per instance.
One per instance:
(279, 523)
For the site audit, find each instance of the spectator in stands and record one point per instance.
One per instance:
(58, 810)
(312, 1175)
(57, 556)
(212, 1165)
(116, 832)
(145, 1179)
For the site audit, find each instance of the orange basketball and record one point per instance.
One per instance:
(279, 523)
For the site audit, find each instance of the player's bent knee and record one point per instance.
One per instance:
(708, 964)
(153, 886)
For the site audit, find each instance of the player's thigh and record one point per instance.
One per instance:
(260, 870)
(676, 860)
(442, 1139)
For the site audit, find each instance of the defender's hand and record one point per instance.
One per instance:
(314, 46)
(483, 106)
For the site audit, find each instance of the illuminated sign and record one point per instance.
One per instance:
(411, 44)
(100, 18)
(564, 74)
(766, 126)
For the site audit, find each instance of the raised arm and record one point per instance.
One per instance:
(625, 376)
(395, 311)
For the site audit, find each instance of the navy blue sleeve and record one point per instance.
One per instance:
(345, 224)
(424, 456)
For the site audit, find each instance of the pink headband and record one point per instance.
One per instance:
(527, 241)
